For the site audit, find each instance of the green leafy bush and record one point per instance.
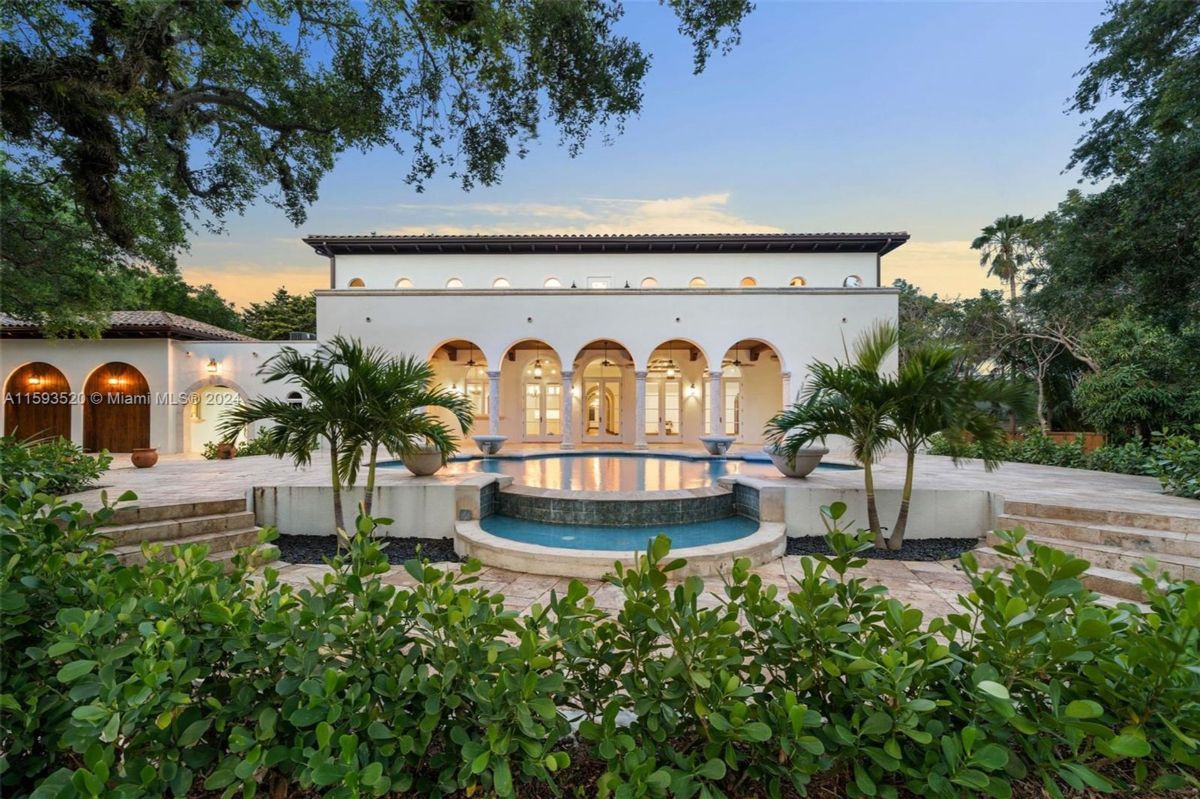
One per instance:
(177, 676)
(63, 466)
(258, 445)
(1175, 461)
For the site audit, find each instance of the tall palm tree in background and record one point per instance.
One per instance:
(934, 395)
(1004, 248)
(852, 400)
(391, 397)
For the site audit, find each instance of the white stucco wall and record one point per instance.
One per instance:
(671, 270)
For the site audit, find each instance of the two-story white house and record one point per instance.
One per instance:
(569, 340)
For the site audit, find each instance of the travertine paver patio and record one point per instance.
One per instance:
(931, 587)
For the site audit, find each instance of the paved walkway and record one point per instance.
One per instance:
(931, 587)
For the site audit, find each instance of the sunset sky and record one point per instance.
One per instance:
(933, 118)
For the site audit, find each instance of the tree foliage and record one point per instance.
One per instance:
(284, 313)
(126, 121)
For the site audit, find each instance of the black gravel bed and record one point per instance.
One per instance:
(917, 549)
(320, 548)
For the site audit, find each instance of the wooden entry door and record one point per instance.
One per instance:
(117, 414)
(37, 403)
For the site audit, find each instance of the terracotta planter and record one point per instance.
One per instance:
(144, 457)
(806, 460)
(424, 462)
(225, 451)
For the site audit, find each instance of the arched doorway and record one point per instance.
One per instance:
(604, 373)
(205, 412)
(460, 365)
(674, 386)
(531, 391)
(751, 390)
(116, 416)
(37, 403)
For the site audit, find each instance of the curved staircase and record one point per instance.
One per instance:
(1112, 541)
(223, 525)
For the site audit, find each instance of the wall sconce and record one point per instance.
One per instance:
(34, 381)
(213, 366)
(691, 392)
(114, 381)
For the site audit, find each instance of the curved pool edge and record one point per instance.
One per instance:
(767, 543)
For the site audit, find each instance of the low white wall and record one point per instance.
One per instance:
(419, 509)
(933, 513)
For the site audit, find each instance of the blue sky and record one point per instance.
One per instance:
(933, 118)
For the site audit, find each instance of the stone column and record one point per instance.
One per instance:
(493, 403)
(715, 401)
(639, 424)
(787, 389)
(568, 410)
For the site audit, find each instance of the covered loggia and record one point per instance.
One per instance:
(604, 383)
(673, 398)
(532, 393)
(748, 390)
(116, 414)
(461, 366)
(37, 402)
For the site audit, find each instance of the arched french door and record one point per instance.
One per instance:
(116, 416)
(602, 401)
(205, 412)
(37, 403)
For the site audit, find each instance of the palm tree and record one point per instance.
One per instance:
(391, 396)
(1004, 248)
(933, 394)
(852, 400)
(298, 429)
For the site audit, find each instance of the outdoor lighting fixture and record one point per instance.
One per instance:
(670, 363)
(114, 381)
(34, 380)
(692, 389)
(212, 366)
(537, 369)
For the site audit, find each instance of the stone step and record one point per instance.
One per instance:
(1134, 539)
(1109, 582)
(1118, 558)
(262, 558)
(1118, 518)
(135, 514)
(175, 529)
(218, 542)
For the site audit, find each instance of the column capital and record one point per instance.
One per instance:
(785, 375)
(567, 374)
(714, 374)
(493, 375)
(640, 375)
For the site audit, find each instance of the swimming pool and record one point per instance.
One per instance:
(612, 471)
(617, 539)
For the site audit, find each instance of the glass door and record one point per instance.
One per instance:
(664, 410)
(543, 411)
(732, 406)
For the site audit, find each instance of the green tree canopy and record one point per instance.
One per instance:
(284, 313)
(125, 121)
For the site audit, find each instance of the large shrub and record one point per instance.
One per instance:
(177, 677)
(62, 465)
(1175, 461)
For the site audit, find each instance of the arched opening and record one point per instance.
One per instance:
(675, 386)
(501, 283)
(649, 282)
(552, 283)
(747, 282)
(798, 282)
(404, 283)
(357, 283)
(751, 390)
(295, 399)
(205, 412)
(604, 374)
(460, 366)
(37, 403)
(116, 416)
(852, 282)
(531, 393)
(697, 283)
(454, 283)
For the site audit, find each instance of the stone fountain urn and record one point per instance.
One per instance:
(805, 461)
(424, 461)
(489, 445)
(717, 445)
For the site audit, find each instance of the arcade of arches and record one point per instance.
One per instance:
(604, 397)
